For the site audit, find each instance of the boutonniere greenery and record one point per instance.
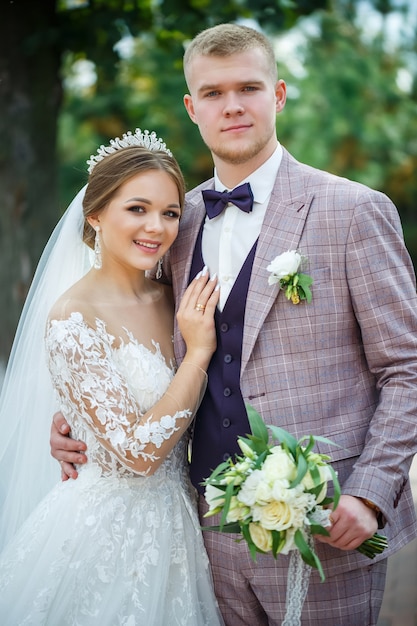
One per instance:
(285, 271)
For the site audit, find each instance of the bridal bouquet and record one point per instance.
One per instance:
(275, 495)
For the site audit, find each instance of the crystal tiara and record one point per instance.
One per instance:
(144, 139)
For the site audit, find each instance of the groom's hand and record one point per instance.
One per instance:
(64, 449)
(352, 523)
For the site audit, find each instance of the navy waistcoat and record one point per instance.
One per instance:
(222, 414)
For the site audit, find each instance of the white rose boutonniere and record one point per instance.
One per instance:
(284, 270)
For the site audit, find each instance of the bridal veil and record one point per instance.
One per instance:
(27, 401)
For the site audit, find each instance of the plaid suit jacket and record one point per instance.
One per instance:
(345, 365)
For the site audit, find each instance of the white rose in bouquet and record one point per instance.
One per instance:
(261, 537)
(279, 465)
(274, 516)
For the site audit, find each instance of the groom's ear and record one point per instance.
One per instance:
(188, 103)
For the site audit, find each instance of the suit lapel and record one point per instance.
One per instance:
(181, 253)
(182, 249)
(281, 231)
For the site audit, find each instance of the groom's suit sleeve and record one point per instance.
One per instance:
(382, 286)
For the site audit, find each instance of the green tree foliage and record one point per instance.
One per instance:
(37, 39)
(30, 93)
(345, 113)
(146, 90)
(349, 116)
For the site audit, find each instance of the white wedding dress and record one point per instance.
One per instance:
(113, 547)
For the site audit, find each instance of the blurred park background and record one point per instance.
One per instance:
(74, 74)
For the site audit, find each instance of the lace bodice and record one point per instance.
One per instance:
(104, 392)
(125, 546)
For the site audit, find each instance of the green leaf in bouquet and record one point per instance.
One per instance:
(285, 438)
(230, 489)
(309, 446)
(257, 425)
(336, 487)
(314, 473)
(214, 476)
(321, 439)
(316, 490)
(301, 471)
(304, 548)
(307, 554)
(326, 501)
(247, 537)
(278, 542)
(318, 529)
(260, 460)
(256, 444)
(230, 527)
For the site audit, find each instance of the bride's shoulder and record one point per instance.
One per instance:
(77, 299)
(71, 317)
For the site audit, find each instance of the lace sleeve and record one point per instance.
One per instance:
(91, 388)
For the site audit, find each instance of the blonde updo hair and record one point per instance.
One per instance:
(114, 170)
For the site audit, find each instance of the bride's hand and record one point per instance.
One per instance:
(64, 449)
(195, 318)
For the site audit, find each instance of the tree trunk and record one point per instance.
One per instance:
(30, 94)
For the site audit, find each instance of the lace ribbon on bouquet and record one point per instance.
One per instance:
(298, 579)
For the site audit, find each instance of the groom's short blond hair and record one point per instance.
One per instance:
(226, 39)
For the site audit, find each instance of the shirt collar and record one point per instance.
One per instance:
(261, 180)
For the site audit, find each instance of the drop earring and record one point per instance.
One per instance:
(97, 249)
(159, 269)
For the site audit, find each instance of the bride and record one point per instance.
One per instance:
(120, 545)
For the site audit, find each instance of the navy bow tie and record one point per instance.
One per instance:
(215, 201)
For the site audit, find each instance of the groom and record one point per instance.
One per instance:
(343, 366)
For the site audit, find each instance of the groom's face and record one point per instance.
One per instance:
(234, 102)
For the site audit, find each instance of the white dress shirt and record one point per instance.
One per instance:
(229, 237)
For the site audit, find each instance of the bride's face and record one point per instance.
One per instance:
(141, 221)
